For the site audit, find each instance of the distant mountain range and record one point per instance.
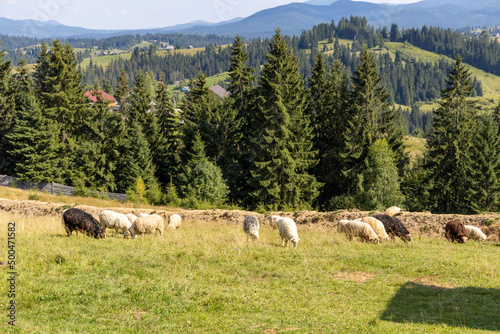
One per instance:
(295, 17)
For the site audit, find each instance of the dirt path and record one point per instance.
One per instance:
(418, 223)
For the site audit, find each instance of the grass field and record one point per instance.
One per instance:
(206, 278)
(104, 60)
(213, 80)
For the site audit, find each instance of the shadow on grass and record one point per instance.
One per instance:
(471, 307)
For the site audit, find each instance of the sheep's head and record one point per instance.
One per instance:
(254, 235)
(126, 234)
(101, 234)
(463, 239)
(295, 241)
(375, 240)
(406, 237)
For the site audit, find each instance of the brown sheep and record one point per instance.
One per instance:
(455, 231)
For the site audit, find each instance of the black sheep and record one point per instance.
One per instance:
(394, 227)
(81, 221)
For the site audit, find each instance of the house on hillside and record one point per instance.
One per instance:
(92, 95)
(219, 91)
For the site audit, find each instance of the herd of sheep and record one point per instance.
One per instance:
(129, 224)
(379, 228)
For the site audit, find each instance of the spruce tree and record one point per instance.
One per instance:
(284, 138)
(33, 139)
(486, 153)
(97, 155)
(168, 156)
(241, 77)
(367, 119)
(329, 94)
(58, 83)
(241, 99)
(140, 99)
(122, 92)
(200, 109)
(6, 113)
(135, 159)
(450, 144)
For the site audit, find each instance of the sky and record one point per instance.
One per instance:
(133, 14)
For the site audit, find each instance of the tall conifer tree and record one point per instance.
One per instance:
(6, 113)
(58, 83)
(486, 153)
(450, 144)
(368, 117)
(33, 139)
(122, 92)
(329, 93)
(169, 153)
(284, 139)
(241, 99)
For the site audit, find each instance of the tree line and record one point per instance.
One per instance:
(278, 142)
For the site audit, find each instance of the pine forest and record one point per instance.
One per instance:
(317, 121)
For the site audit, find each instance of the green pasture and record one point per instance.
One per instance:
(206, 278)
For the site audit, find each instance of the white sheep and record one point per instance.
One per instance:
(142, 214)
(274, 221)
(356, 228)
(131, 217)
(393, 211)
(174, 222)
(288, 231)
(251, 227)
(114, 220)
(146, 225)
(475, 233)
(377, 226)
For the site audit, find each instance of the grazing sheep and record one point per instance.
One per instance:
(455, 231)
(377, 227)
(394, 227)
(146, 225)
(114, 220)
(274, 221)
(356, 228)
(251, 227)
(131, 217)
(393, 211)
(80, 221)
(475, 233)
(174, 222)
(288, 231)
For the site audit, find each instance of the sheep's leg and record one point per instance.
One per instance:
(283, 242)
(68, 231)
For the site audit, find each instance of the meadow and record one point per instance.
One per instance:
(207, 278)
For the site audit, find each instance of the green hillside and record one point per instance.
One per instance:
(490, 82)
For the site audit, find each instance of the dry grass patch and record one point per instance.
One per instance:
(357, 276)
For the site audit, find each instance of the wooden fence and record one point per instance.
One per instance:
(50, 187)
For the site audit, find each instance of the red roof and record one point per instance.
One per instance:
(105, 96)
